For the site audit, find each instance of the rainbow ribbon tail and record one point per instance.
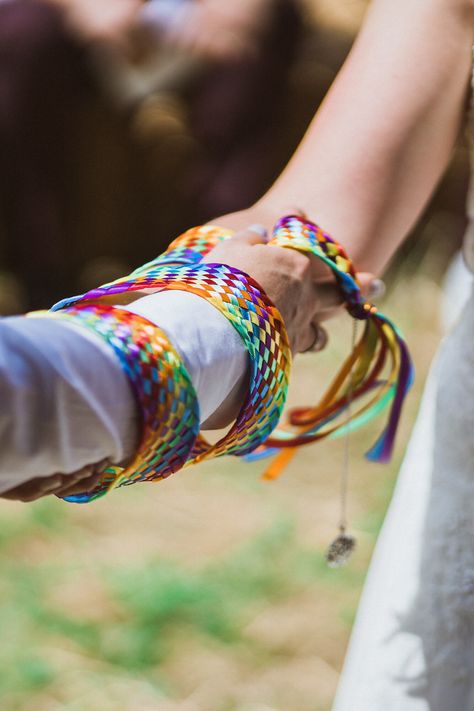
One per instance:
(380, 339)
(382, 450)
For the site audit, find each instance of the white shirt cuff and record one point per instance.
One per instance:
(212, 350)
(65, 401)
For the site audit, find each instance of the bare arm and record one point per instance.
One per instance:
(384, 134)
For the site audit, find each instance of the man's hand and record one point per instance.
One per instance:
(84, 479)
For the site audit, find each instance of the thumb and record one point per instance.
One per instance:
(255, 234)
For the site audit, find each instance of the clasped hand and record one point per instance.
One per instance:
(300, 286)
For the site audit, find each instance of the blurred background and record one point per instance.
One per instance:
(123, 123)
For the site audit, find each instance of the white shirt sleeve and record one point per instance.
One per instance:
(65, 401)
(211, 348)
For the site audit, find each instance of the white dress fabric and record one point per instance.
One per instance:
(412, 647)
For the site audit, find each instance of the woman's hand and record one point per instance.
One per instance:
(321, 275)
(287, 277)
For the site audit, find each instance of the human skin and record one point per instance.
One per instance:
(286, 277)
(383, 136)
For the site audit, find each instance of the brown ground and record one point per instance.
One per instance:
(288, 645)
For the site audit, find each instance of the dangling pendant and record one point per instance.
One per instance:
(342, 547)
(340, 550)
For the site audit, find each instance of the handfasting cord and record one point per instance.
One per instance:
(361, 372)
(247, 307)
(360, 375)
(361, 378)
(242, 301)
(165, 396)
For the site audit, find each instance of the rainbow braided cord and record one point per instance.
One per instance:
(260, 325)
(166, 399)
(361, 375)
(381, 344)
(241, 300)
(188, 249)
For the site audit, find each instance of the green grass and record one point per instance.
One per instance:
(151, 603)
(132, 615)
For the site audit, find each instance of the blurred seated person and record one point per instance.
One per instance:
(90, 181)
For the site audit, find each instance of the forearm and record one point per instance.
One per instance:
(383, 136)
(66, 402)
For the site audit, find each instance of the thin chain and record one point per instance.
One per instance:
(346, 454)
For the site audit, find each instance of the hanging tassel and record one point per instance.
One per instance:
(379, 369)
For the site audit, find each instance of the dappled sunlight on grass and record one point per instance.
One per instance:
(206, 592)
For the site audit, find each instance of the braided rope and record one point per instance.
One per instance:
(381, 341)
(258, 322)
(260, 325)
(162, 387)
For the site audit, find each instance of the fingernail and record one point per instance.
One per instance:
(321, 340)
(376, 289)
(259, 229)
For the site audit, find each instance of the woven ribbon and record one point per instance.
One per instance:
(377, 374)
